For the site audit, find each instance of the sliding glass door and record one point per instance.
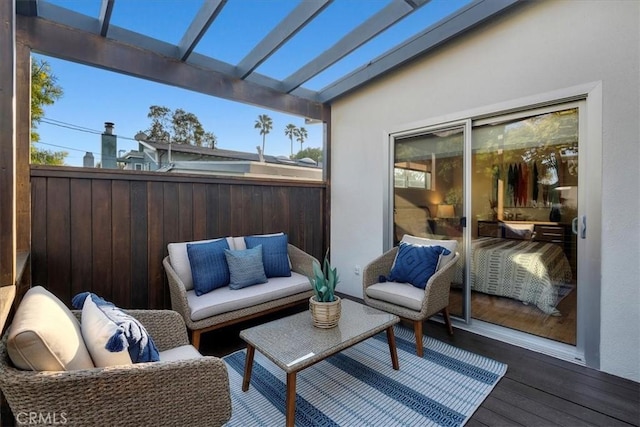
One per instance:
(506, 188)
(524, 214)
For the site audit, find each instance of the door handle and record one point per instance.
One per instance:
(583, 232)
(574, 225)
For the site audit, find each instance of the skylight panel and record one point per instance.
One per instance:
(324, 31)
(406, 28)
(86, 7)
(240, 27)
(165, 20)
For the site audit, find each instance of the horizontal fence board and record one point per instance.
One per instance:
(107, 231)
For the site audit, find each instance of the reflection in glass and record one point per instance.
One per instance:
(524, 198)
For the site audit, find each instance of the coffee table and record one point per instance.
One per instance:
(293, 343)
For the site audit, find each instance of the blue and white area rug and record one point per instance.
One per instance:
(358, 387)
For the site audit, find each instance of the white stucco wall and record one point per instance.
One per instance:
(539, 48)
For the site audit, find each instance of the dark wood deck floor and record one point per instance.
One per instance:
(537, 390)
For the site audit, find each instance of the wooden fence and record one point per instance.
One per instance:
(107, 231)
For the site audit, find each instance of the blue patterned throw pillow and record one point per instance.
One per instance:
(245, 267)
(130, 333)
(208, 265)
(275, 253)
(416, 264)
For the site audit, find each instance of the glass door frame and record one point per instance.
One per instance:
(590, 99)
(388, 240)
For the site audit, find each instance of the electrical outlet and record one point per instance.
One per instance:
(357, 270)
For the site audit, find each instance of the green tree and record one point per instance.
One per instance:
(44, 91)
(178, 127)
(290, 131)
(301, 135)
(47, 157)
(310, 152)
(265, 124)
(160, 124)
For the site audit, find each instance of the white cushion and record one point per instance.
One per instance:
(451, 245)
(403, 294)
(180, 259)
(184, 352)
(45, 335)
(224, 299)
(96, 331)
(238, 243)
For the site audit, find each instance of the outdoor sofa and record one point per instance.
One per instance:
(285, 285)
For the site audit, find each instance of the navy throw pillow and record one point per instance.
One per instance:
(208, 265)
(275, 253)
(416, 264)
(130, 333)
(245, 267)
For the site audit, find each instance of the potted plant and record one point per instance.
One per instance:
(325, 304)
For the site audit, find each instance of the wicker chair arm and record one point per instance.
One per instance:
(166, 327)
(437, 288)
(187, 392)
(178, 292)
(301, 262)
(380, 266)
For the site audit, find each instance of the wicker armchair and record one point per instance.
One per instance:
(435, 300)
(187, 392)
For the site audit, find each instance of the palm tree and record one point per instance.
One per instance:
(291, 131)
(301, 135)
(265, 124)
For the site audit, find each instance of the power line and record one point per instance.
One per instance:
(72, 127)
(78, 128)
(76, 149)
(61, 146)
(48, 120)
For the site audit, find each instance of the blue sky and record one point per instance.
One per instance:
(93, 96)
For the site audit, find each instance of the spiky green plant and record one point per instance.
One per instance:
(324, 280)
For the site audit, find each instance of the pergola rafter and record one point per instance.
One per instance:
(479, 11)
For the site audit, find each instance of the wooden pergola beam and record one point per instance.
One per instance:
(60, 41)
(7, 144)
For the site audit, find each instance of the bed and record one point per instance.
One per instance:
(528, 271)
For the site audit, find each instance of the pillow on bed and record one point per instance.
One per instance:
(518, 231)
(416, 264)
(450, 245)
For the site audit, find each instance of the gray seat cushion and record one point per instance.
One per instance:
(224, 299)
(403, 294)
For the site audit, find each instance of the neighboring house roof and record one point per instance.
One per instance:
(131, 155)
(245, 168)
(216, 161)
(208, 152)
(212, 154)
